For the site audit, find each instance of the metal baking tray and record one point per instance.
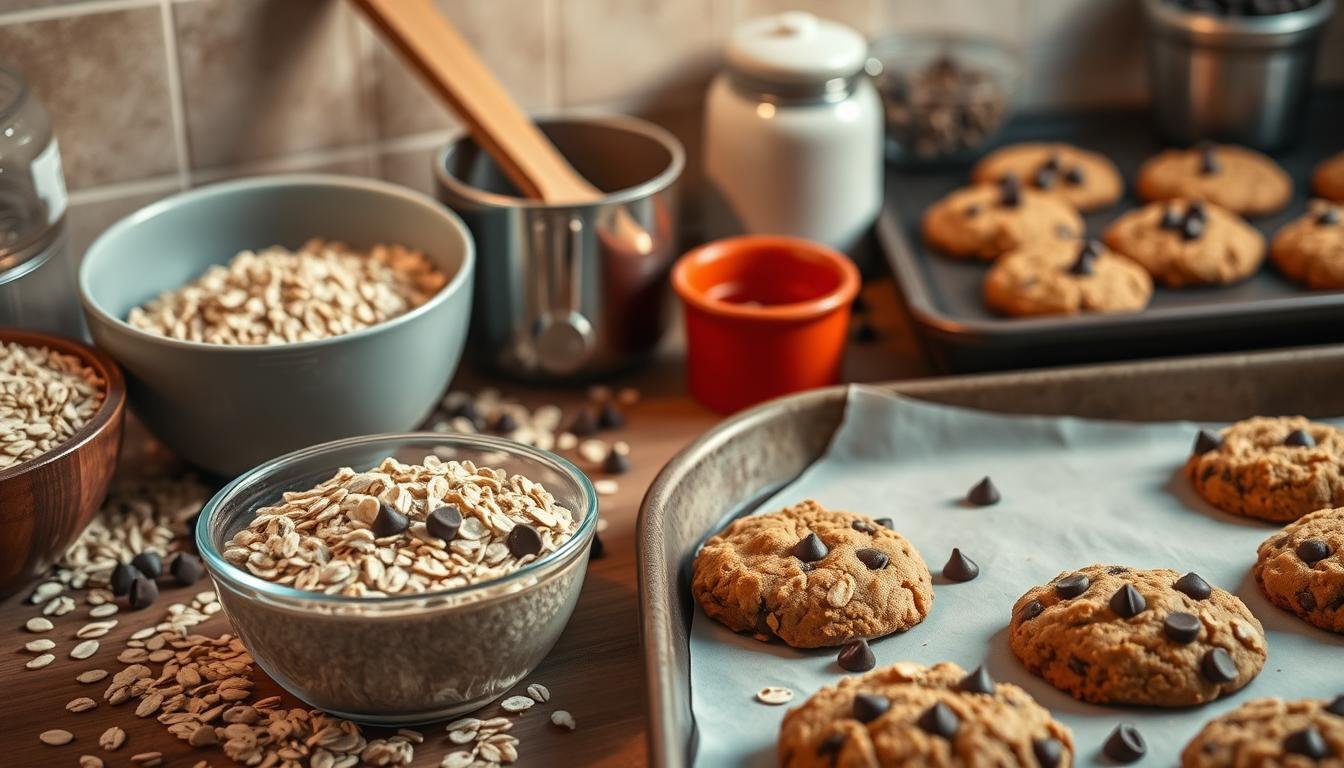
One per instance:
(958, 333)
(734, 467)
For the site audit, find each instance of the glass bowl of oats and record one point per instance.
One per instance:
(61, 411)
(258, 316)
(401, 578)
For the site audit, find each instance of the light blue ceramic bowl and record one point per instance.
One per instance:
(228, 408)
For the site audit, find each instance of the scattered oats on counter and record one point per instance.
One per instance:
(45, 398)
(278, 296)
(402, 529)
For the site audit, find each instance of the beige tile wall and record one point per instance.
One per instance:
(153, 96)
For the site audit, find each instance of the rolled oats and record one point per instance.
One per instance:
(112, 739)
(45, 398)
(539, 692)
(103, 610)
(56, 737)
(278, 296)
(563, 719)
(38, 624)
(82, 704)
(39, 646)
(40, 661)
(774, 695)
(91, 676)
(517, 704)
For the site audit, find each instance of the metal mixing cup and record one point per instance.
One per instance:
(1241, 79)
(558, 295)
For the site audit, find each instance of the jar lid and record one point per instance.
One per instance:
(796, 48)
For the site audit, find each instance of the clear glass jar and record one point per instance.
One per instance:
(37, 271)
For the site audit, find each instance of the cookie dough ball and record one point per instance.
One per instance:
(1301, 569)
(1310, 249)
(1187, 242)
(1087, 180)
(1239, 179)
(812, 577)
(1065, 278)
(987, 220)
(1117, 635)
(1328, 181)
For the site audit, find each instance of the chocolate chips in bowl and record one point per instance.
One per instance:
(944, 97)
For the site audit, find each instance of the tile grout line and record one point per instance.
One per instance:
(105, 192)
(552, 54)
(177, 105)
(72, 10)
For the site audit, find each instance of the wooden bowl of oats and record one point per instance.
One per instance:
(61, 410)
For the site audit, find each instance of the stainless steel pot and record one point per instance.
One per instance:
(558, 297)
(1244, 79)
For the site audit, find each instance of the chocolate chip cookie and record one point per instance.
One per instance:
(1271, 468)
(812, 577)
(1272, 733)
(1239, 179)
(985, 221)
(1065, 278)
(1118, 635)
(907, 714)
(1301, 568)
(1187, 242)
(1310, 250)
(1087, 180)
(1328, 180)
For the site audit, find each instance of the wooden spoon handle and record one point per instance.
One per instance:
(495, 121)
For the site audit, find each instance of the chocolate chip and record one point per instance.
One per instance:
(978, 681)
(122, 576)
(186, 569)
(583, 424)
(1195, 210)
(863, 526)
(1010, 191)
(1051, 162)
(1313, 551)
(388, 521)
(143, 593)
(1044, 178)
(1218, 666)
(469, 412)
(1116, 570)
(1191, 585)
(856, 656)
(865, 333)
(1127, 602)
(1048, 752)
(1171, 218)
(1299, 438)
(149, 563)
(1306, 599)
(831, 744)
(1328, 217)
(1086, 262)
(859, 305)
(1208, 159)
(870, 706)
(960, 567)
(886, 522)
(875, 559)
(1336, 707)
(1181, 627)
(597, 549)
(616, 463)
(1207, 441)
(444, 522)
(1307, 742)
(972, 210)
(1192, 228)
(1125, 744)
(523, 540)
(505, 424)
(1075, 175)
(984, 493)
(1030, 611)
(810, 549)
(1072, 586)
(939, 720)
(609, 417)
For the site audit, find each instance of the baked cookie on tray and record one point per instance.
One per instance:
(984, 221)
(907, 714)
(1272, 733)
(1310, 249)
(1116, 635)
(1328, 180)
(1188, 242)
(1239, 179)
(1089, 181)
(1060, 277)
(812, 577)
(1301, 569)
(1271, 468)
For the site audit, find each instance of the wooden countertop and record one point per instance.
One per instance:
(595, 670)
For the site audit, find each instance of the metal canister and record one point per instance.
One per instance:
(37, 273)
(1243, 79)
(558, 296)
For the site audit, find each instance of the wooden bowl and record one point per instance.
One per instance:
(47, 501)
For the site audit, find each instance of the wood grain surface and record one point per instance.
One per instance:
(595, 671)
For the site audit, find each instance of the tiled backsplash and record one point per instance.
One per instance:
(152, 96)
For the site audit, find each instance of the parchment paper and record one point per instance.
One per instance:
(1075, 492)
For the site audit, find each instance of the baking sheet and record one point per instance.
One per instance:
(1075, 492)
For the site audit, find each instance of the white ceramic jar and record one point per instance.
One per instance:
(793, 131)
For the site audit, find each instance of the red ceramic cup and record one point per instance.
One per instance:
(765, 316)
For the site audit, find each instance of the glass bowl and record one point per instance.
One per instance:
(400, 659)
(944, 96)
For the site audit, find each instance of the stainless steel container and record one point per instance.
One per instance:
(558, 297)
(1242, 79)
(37, 271)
